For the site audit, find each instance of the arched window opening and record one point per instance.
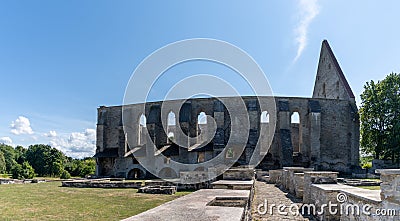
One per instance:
(171, 119)
(295, 119)
(201, 126)
(141, 128)
(202, 118)
(171, 124)
(296, 131)
(264, 117)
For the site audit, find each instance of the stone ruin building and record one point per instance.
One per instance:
(320, 132)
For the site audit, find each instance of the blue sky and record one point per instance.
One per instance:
(60, 60)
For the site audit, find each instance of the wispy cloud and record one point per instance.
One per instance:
(308, 9)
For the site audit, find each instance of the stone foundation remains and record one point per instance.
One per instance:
(320, 189)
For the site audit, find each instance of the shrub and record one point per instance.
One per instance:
(367, 165)
(24, 171)
(65, 175)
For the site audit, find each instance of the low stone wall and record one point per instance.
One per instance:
(311, 178)
(170, 190)
(359, 182)
(233, 184)
(239, 174)
(320, 189)
(180, 186)
(323, 194)
(158, 183)
(390, 189)
(275, 176)
(16, 181)
(193, 177)
(328, 194)
(288, 180)
(101, 184)
(299, 185)
(360, 204)
(262, 175)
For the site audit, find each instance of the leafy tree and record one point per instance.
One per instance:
(9, 156)
(81, 167)
(20, 154)
(380, 118)
(56, 169)
(2, 163)
(37, 156)
(88, 168)
(46, 161)
(24, 171)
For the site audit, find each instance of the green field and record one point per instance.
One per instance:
(50, 201)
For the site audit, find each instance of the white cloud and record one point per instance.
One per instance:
(308, 10)
(21, 125)
(6, 140)
(51, 133)
(77, 144)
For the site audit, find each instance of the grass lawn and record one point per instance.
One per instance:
(50, 201)
(370, 187)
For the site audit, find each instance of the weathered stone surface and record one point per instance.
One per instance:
(390, 189)
(195, 207)
(310, 177)
(290, 180)
(170, 190)
(275, 177)
(369, 199)
(101, 184)
(233, 184)
(193, 176)
(239, 174)
(326, 138)
(299, 185)
(267, 195)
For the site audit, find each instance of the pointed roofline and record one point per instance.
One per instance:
(336, 63)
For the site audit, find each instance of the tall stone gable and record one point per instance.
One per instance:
(330, 82)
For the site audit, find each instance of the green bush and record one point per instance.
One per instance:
(65, 175)
(24, 171)
(367, 165)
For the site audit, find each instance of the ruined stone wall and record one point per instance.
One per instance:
(330, 82)
(326, 136)
(339, 135)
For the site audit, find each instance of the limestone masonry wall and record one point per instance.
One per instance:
(326, 137)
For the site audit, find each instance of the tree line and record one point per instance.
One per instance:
(42, 160)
